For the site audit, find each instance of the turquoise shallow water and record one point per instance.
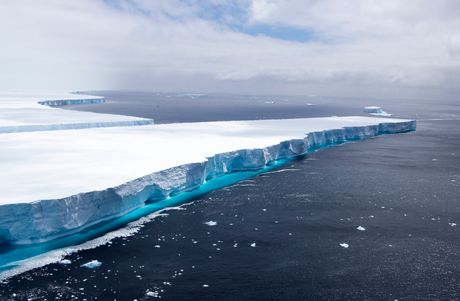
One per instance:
(11, 254)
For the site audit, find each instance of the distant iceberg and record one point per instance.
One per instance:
(66, 102)
(376, 111)
(32, 114)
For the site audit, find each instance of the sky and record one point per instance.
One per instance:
(353, 48)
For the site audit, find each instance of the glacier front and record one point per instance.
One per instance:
(56, 183)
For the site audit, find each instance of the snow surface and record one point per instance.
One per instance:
(55, 183)
(51, 165)
(26, 113)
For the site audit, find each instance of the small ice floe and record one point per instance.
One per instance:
(344, 245)
(65, 262)
(211, 223)
(157, 246)
(92, 264)
(452, 224)
(154, 294)
(361, 228)
(205, 285)
(253, 245)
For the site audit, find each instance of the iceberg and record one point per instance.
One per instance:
(66, 102)
(376, 111)
(57, 183)
(23, 113)
(65, 171)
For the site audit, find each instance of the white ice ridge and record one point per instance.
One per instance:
(56, 183)
(27, 113)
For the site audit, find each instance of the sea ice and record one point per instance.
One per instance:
(92, 264)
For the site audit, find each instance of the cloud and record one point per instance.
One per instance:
(291, 46)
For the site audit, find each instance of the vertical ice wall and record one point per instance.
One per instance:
(44, 220)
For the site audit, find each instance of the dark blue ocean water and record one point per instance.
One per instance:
(278, 235)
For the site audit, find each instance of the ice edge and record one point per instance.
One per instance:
(56, 103)
(45, 220)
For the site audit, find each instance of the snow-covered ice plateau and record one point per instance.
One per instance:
(54, 183)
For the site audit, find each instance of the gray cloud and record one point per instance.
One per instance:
(359, 48)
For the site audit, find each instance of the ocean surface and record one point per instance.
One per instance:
(373, 220)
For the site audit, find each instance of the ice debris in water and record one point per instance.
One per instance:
(344, 245)
(253, 245)
(152, 294)
(211, 223)
(65, 261)
(452, 224)
(360, 228)
(92, 264)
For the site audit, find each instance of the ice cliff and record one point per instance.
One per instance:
(66, 102)
(46, 219)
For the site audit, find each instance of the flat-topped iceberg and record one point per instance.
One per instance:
(56, 183)
(27, 113)
(376, 111)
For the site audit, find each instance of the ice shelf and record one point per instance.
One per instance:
(56, 183)
(30, 113)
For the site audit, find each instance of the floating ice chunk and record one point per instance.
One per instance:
(211, 223)
(376, 111)
(253, 245)
(344, 245)
(92, 264)
(452, 224)
(152, 294)
(65, 261)
(360, 228)
(205, 285)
